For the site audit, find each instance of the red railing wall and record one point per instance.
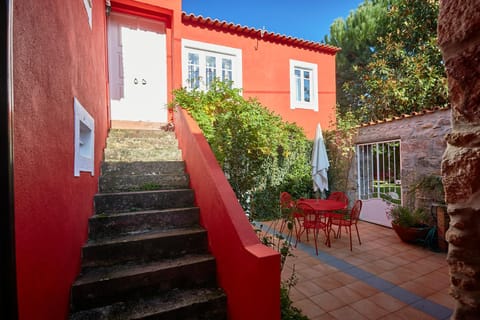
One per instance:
(248, 271)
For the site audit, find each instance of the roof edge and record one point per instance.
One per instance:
(404, 116)
(257, 33)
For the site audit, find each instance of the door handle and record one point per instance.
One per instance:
(135, 81)
(144, 82)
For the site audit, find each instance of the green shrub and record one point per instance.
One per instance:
(407, 217)
(260, 154)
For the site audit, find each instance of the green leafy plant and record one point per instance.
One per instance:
(380, 71)
(287, 310)
(341, 149)
(280, 239)
(260, 153)
(406, 217)
(431, 185)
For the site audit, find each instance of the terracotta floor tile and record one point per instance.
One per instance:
(399, 275)
(324, 316)
(347, 312)
(296, 295)
(324, 269)
(398, 261)
(299, 265)
(423, 267)
(324, 292)
(343, 277)
(409, 313)
(309, 273)
(328, 283)
(377, 268)
(369, 309)
(418, 289)
(443, 298)
(387, 302)
(327, 301)
(309, 308)
(435, 281)
(362, 288)
(346, 294)
(408, 255)
(355, 260)
(308, 288)
(439, 258)
(369, 256)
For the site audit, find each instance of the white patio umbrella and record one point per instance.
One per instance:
(320, 162)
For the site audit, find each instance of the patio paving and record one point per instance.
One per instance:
(383, 278)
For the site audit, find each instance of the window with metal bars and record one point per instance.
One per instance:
(379, 170)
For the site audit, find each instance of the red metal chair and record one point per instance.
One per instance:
(348, 220)
(338, 196)
(309, 219)
(287, 211)
(342, 197)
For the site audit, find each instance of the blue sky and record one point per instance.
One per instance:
(306, 19)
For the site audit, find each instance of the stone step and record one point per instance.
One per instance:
(100, 286)
(144, 247)
(160, 142)
(118, 183)
(110, 225)
(146, 154)
(142, 167)
(109, 203)
(141, 133)
(204, 303)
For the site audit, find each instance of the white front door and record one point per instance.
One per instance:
(137, 69)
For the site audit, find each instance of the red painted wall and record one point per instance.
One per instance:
(56, 57)
(266, 70)
(248, 271)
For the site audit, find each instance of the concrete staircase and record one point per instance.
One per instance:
(146, 256)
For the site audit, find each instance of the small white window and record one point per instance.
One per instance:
(203, 62)
(84, 140)
(303, 85)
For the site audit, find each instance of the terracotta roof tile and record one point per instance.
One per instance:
(257, 33)
(405, 115)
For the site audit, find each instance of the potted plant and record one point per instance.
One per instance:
(410, 225)
(430, 195)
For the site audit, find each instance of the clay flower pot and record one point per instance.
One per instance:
(411, 234)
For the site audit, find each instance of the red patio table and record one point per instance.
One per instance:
(327, 208)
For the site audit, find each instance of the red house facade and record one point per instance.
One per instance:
(78, 67)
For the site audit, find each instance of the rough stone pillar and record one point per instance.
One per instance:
(459, 40)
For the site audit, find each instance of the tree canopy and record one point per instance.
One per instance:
(389, 63)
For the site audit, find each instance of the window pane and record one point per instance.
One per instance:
(306, 86)
(306, 90)
(226, 69)
(211, 71)
(193, 71)
(379, 171)
(298, 85)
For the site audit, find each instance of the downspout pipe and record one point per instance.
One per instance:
(8, 278)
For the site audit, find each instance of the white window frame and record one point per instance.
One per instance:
(218, 51)
(375, 160)
(84, 140)
(313, 69)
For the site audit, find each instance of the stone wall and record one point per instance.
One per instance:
(422, 144)
(459, 40)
